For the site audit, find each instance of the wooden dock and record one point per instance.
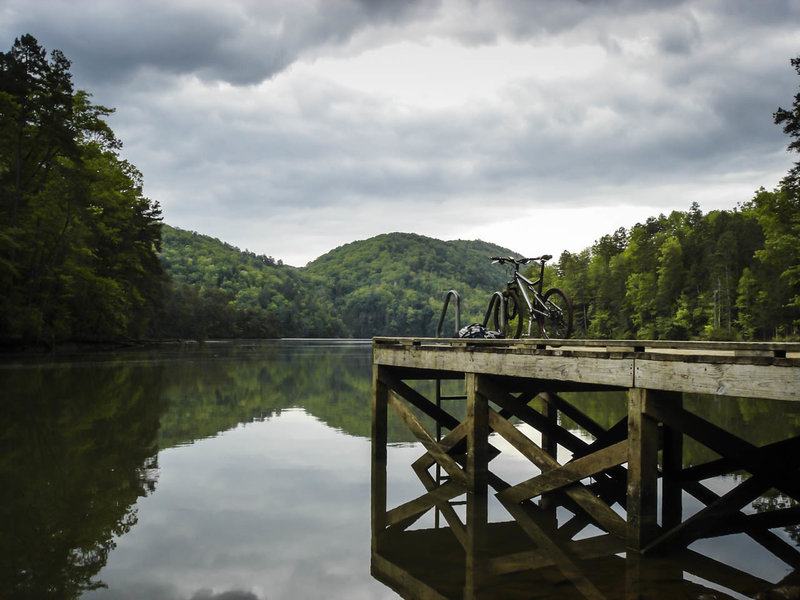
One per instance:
(611, 482)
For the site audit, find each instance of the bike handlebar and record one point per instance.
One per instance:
(519, 261)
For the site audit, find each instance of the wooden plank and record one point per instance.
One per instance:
(380, 400)
(451, 466)
(706, 519)
(727, 445)
(606, 371)
(477, 487)
(419, 505)
(752, 381)
(781, 517)
(765, 538)
(507, 402)
(456, 526)
(400, 580)
(721, 466)
(671, 468)
(550, 413)
(602, 514)
(566, 563)
(413, 397)
(694, 346)
(583, 549)
(446, 444)
(642, 470)
(617, 433)
(571, 472)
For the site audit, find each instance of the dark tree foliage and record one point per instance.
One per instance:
(723, 275)
(78, 240)
(72, 471)
(218, 291)
(392, 284)
(395, 284)
(790, 119)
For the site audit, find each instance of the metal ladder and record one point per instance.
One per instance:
(440, 476)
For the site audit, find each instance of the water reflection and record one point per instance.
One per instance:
(225, 470)
(88, 439)
(78, 450)
(431, 563)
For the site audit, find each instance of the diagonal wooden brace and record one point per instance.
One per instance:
(570, 473)
(448, 464)
(596, 508)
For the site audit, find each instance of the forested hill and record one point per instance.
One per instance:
(392, 284)
(731, 274)
(396, 283)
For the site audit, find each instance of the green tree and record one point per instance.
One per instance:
(78, 240)
(669, 286)
(777, 274)
(790, 120)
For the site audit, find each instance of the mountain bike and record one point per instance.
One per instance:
(516, 308)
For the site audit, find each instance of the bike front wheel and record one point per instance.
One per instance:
(556, 322)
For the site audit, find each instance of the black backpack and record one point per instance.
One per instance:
(476, 330)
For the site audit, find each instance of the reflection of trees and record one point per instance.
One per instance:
(774, 500)
(758, 421)
(214, 388)
(77, 449)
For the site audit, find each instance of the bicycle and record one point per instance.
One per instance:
(522, 303)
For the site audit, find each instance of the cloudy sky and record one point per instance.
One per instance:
(290, 127)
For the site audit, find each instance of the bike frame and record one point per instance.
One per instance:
(530, 294)
(524, 285)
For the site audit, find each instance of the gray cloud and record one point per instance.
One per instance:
(220, 106)
(241, 42)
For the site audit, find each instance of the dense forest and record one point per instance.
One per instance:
(218, 291)
(84, 256)
(390, 284)
(724, 275)
(78, 241)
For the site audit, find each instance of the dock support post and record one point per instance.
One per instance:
(549, 445)
(671, 466)
(380, 403)
(642, 470)
(477, 487)
(549, 412)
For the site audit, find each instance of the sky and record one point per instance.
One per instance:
(291, 127)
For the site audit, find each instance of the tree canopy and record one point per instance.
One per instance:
(391, 284)
(78, 240)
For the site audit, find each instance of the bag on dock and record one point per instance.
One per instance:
(476, 330)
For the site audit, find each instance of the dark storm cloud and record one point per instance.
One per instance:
(241, 42)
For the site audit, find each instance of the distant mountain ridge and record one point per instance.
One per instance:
(390, 284)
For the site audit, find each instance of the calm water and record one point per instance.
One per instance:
(230, 471)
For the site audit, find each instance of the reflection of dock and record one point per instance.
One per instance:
(611, 481)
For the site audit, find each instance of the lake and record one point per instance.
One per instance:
(233, 471)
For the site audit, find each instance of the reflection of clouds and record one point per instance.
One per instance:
(232, 595)
(276, 509)
(136, 591)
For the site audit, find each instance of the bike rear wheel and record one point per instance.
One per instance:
(509, 322)
(556, 323)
